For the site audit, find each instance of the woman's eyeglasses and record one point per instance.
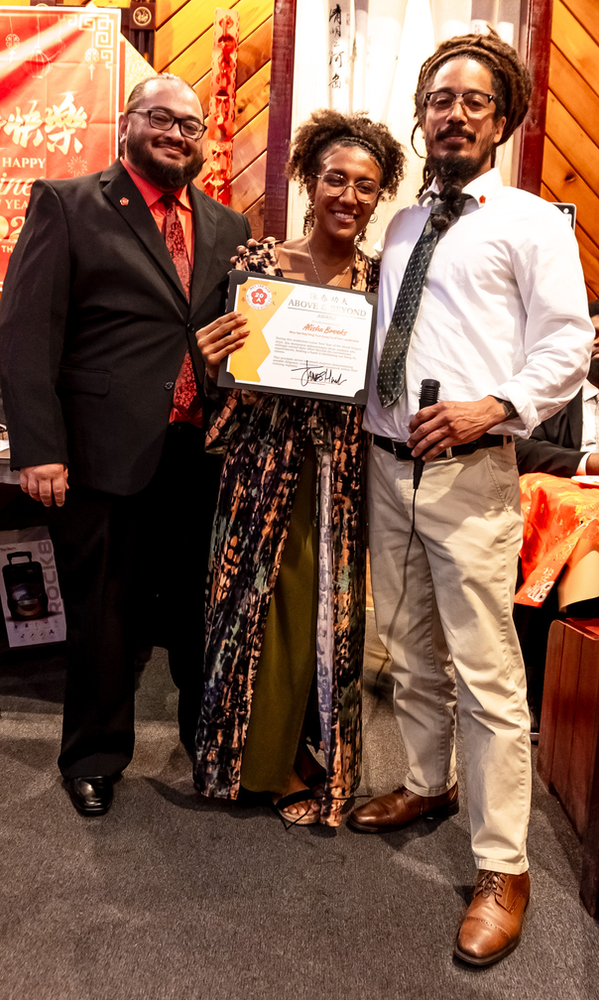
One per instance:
(334, 185)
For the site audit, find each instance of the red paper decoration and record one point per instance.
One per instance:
(221, 118)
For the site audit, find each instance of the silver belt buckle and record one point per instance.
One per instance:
(448, 453)
(393, 444)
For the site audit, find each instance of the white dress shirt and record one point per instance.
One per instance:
(590, 421)
(503, 312)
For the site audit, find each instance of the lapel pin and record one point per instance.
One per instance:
(124, 201)
(482, 199)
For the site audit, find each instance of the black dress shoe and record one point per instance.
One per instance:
(90, 796)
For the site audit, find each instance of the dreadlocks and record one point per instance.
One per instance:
(511, 86)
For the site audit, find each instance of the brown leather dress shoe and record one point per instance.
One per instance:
(401, 807)
(492, 924)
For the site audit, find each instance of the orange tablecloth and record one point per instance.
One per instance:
(558, 514)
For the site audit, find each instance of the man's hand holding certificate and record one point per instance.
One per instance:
(304, 340)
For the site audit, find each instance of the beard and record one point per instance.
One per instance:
(164, 176)
(457, 169)
(453, 171)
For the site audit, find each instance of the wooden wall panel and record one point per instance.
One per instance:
(585, 11)
(571, 152)
(252, 97)
(574, 93)
(184, 47)
(568, 135)
(249, 142)
(567, 185)
(189, 33)
(248, 187)
(166, 9)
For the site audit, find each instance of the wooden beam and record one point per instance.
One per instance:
(535, 48)
(279, 123)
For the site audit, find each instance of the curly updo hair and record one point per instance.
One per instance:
(326, 128)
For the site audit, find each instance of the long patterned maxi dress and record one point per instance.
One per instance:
(272, 447)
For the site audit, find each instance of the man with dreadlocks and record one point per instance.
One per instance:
(481, 289)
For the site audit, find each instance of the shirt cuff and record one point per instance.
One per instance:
(582, 465)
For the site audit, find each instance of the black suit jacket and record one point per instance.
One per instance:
(94, 325)
(554, 446)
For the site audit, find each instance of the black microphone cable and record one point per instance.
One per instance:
(429, 395)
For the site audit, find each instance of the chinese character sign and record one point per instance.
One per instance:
(59, 81)
(340, 52)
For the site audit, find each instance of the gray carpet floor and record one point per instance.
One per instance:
(172, 896)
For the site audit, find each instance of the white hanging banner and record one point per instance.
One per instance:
(340, 29)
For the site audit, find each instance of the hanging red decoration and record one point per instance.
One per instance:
(221, 118)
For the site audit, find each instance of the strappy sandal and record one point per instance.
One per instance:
(316, 780)
(309, 818)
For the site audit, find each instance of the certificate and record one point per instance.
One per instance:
(304, 340)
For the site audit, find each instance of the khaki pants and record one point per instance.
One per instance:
(446, 619)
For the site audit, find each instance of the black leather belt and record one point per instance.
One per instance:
(401, 451)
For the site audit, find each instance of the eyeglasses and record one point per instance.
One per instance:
(475, 103)
(334, 185)
(191, 128)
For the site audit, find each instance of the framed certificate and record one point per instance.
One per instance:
(304, 340)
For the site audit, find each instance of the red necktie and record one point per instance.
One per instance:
(187, 403)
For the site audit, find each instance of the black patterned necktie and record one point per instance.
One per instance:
(391, 378)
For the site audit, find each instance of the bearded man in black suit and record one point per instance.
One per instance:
(103, 388)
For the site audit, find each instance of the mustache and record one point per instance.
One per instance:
(172, 143)
(449, 130)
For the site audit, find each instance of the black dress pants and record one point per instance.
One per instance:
(133, 570)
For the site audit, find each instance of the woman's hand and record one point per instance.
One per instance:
(221, 338)
(243, 251)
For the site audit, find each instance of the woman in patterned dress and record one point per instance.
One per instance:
(286, 608)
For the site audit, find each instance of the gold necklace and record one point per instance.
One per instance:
(319, 279)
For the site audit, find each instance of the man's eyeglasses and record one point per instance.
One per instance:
(191, 128)
(475, 103)
(334, 185)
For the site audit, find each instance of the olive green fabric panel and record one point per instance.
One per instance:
(288, 659)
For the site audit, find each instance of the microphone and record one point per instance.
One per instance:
(429, 394)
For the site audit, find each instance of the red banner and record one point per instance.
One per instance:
(59, 96)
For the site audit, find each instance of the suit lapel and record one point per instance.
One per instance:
(118, 187)
(574, 410)
(204, 217)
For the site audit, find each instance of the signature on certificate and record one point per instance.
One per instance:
(320, 375)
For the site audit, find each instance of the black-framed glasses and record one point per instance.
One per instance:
(191, 128)
(334, 185)
(474, 101)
